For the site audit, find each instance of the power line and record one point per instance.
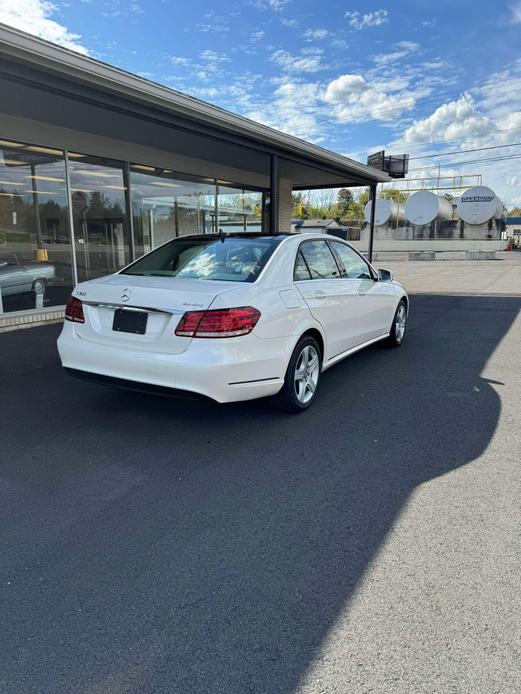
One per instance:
(471, 161)
(465, 151)
(441, 97)
(454, 139)
(466, 137)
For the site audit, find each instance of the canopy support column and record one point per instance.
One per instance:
(372, 198)
(274, 194)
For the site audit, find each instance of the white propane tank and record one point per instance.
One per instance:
(423, 207)
(478, 205)
(385, 211)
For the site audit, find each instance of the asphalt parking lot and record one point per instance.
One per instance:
(371, 544)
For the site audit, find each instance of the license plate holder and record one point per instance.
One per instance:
(134, 322)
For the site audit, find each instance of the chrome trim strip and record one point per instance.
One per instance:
(148, 309)
(258, 380)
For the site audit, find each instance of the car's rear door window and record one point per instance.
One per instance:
(301, 269)
(320, 260)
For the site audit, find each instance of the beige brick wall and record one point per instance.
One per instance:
(285, 189)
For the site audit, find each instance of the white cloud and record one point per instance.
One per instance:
(309, 60)
(291, 23)
(295, 109)
(121, 8)
(213, 23)
(453, 120)
(179, 60)
(317, 34)
(271, 4)
(364, 21)
(35, 17)
(403, 49)
(515, 9)
(353, 99)
(213, 56)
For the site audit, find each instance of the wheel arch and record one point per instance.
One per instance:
(316, 335)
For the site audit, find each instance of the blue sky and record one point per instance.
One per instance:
(417, 77)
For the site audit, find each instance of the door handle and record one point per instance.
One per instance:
(319, 294)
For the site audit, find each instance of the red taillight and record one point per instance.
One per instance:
(74, 310)
(221, 322)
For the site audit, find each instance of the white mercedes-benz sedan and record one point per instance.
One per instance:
(232, 317)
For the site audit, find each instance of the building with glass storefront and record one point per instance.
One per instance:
(98, 166)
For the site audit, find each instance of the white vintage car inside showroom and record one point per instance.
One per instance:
(232, 317)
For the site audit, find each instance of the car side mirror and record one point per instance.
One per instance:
(385, 275)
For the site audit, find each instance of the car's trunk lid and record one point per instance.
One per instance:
(163, 299)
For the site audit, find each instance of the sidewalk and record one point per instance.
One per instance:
(481, 277)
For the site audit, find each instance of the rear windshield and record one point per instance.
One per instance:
(232, 259)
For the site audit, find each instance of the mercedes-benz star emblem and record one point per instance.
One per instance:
(126, 294)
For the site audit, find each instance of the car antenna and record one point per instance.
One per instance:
(221, 235)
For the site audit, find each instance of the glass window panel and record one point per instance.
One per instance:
(240, 209)
(165, 206)
(232, 259)
(355, 266)
(35, 252)
(301, 269)
(99, 207)
(319, 259)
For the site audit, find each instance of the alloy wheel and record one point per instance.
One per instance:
(401, 321)
(307, 371)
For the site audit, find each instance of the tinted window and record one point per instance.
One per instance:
(319, 259)
(233, 259)
(301, 269)
(355, 266)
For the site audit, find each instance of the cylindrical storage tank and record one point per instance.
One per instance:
(424, 207)
(385, 211)
(478, 205)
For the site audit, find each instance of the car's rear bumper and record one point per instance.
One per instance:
(225, 370)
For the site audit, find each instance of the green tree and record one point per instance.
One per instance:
(298, 206)
(515, 212)
(344, 200)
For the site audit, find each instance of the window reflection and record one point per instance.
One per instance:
(35, 257)
(99, 195)
(239, 209)
(165, 206)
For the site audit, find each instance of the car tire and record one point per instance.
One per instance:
(398, 327)
(39, 286)
(302, 377)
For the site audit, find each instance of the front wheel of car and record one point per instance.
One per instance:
(39, 286)
(302, 377)
(399, 326)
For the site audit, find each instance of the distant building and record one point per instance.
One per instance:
(513, 228)
(326, 226)
(320, 226)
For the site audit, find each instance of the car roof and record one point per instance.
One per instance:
(237, 235)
